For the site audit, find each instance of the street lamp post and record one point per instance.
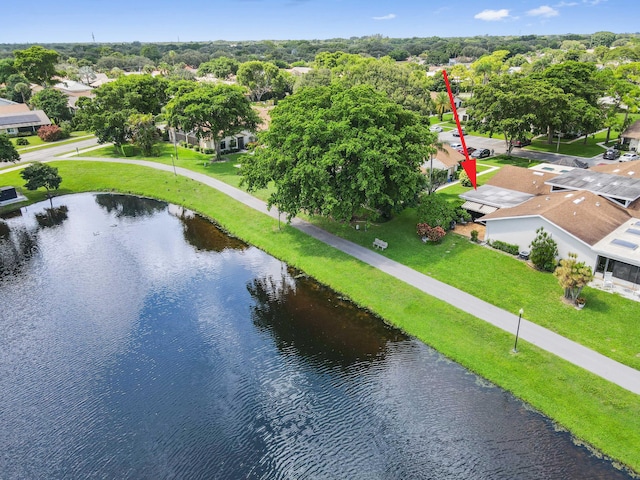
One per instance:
(515, 345)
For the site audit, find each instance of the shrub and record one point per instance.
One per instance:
(434, 234)
(544, 251)
(464, 179)
(505, 247)
(22, 141)
(66, 129)
(128, 150)
(573, 276)
(209, 151)
(196, 148)
(474, 236)
(50, 133)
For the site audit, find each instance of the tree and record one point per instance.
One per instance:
(23, 89)
(143, 132)
(6, 69)
(573, 276)
(212, 111)
(107, 115)
(259, 77)
(37, 64)
(41, 175)
(8, 152)
(442, 103)
(436, 211)
(87, 75)
(332, 150)
(54, 103)
(21, 93)
(221, 67)
(544, 251)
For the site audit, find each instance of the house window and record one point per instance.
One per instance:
(233, 143)
(223, 145)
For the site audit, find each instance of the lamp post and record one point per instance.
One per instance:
(515, 345)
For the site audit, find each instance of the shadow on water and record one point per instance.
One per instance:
(129, 206)
(301, 314)
(52, 217)
(205, 235)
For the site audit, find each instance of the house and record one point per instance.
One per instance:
(447, 159)
(631, 136)
(16, 118)
(594, 213)
(509, 187)
(233, 143)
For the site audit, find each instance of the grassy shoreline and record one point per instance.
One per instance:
(600, 413)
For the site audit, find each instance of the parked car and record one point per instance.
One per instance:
(481, 153)
(520, 142)
(435, 128)
(611, 154)
(629, 156)
(457, 134)
(455, 145)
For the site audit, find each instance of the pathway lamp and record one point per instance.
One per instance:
(515, 345)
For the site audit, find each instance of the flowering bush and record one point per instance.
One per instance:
(50, 133)
(434, 234)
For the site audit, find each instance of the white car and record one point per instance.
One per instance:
(629, 156)
(436, 128)
(455, 145)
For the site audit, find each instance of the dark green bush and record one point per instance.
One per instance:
(209, 151)
(128, 150)
(22, 141)
(505, 247)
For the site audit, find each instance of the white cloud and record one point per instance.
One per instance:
(492, 15)
(543, 11)
(391, 16)
(563, 4)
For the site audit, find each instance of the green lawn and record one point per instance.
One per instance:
(575, 147)
(36, 143)
(596, 411)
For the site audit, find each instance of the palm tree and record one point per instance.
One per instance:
(442, 104)
(23, 89)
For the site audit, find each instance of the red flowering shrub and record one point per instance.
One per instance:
(50, 133)
(434, 234)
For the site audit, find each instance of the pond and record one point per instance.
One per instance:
(137, 340)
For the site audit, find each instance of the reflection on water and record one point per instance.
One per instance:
(151, 346)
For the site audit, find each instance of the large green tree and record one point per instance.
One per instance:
(36, 63)
(221, 67)
(54, 103)
(259, 77)
(212, 111)
(107, 115)
(332, 150)
(8, 152)
(144, 132)
(513, 105)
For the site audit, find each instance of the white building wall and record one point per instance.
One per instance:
(522, 231)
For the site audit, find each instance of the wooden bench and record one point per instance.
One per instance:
(377, 243)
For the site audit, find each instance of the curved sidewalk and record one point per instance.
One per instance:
(615, 372)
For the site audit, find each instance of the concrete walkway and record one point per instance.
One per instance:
(615, 372)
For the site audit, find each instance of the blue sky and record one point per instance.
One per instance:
(203, 20)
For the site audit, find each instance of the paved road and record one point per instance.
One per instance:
(49, 153)
(622, 375)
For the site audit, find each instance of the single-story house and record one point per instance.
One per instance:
(631, 136)
(231, 143)
(447, 159)
(594, 213)
(17, 118)
(509, 187)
